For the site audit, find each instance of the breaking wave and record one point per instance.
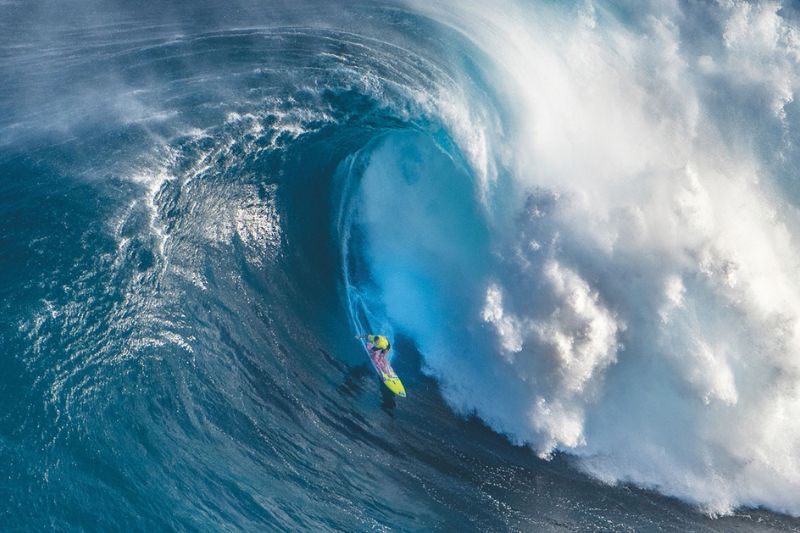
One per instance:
(580, 216)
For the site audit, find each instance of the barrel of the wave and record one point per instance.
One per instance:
(378, 347)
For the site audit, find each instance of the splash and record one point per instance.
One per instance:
(616, 276)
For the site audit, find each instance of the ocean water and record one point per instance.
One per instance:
(577, 221)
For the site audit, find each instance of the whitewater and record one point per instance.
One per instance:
(642, 310)
(575, 220)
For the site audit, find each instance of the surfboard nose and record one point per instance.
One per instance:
(396, 386)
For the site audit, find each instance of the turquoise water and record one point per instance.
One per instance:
(200, 206)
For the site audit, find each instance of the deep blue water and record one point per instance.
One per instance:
(200, 205)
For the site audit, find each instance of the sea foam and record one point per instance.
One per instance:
(621, 284)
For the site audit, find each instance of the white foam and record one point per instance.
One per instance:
(152, 176)
(643, 310)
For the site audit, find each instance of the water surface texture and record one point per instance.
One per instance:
(577, 221)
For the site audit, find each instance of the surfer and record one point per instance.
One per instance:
(378, 347)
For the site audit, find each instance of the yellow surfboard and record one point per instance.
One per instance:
(385, 372)
(394, 384)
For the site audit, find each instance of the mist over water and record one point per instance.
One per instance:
(576, 221)
(643, 303)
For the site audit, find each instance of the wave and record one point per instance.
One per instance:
(581, 216)
(613, 274)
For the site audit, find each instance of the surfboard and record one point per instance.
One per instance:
(385, 371)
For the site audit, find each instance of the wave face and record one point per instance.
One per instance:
(575, 221)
